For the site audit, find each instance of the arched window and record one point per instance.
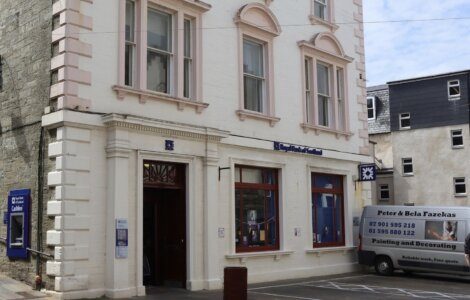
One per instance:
(257, 29)
(325, 85)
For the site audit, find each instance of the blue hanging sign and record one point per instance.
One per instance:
(367, 172)
(296, 148)
(19, 202)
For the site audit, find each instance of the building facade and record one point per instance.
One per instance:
(380, 136)
(428, 144)
(187, 136)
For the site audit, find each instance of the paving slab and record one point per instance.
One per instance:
(15, 290)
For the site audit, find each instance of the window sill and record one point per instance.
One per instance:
(320, 251)
(245, 255)
(458, 147)
(405, 128)
(460, 195)
(454, 98)
(145, 95)
(318, 129)
(318, 21)
(243, 114)
(408, 175)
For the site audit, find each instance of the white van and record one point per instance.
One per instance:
(413, 238)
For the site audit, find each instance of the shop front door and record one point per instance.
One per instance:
(164, 224)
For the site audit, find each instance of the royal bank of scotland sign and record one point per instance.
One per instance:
(367, 172)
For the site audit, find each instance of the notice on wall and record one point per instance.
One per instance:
(122, 238)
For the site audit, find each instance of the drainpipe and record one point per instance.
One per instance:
(40, 187)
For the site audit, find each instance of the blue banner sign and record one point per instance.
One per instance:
(296, 148)
(367, 172)
(19, 202)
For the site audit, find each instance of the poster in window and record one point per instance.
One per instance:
(441, 230)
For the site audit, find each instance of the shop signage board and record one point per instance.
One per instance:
(367, 172)
(285, 147)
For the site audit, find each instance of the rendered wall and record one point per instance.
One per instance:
(435, 164)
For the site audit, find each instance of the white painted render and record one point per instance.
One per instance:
(99, 155)
(432, 184)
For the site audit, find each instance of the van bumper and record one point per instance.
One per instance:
(366, 257)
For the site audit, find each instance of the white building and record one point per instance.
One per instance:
(225, 133)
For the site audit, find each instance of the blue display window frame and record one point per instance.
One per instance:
(19, 202)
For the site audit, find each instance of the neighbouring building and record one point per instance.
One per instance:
(380, 136)
(428, 138)
(179, 137)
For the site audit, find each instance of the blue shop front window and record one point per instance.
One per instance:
(327, 210)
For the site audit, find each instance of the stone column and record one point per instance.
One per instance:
(211, 186)
(117, 206)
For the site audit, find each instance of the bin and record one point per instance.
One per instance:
(235, 283)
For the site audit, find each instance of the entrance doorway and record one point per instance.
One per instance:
(164, 221)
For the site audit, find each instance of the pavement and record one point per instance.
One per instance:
(352, 286)
(11, 289)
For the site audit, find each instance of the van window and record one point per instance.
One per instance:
(441, 230)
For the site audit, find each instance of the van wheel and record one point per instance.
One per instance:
(384, 266)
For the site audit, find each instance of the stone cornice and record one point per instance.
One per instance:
(165, 128)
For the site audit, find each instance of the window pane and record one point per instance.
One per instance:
(157, 71)
(323, 79)
(130, 16)
(253, 89)
(405, 121)
(326, 181)
(252, 175)
(253, 58)
(159, 30)
(187, 38)
(460, 189)
(129, 65)
(323, 111)
(327, 218)
(256, 218)
(408, 168)
(187, 78)
(457, 141)
(319, 10)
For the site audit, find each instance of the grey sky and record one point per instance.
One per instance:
(409, 49)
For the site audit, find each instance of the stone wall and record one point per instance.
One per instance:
(25, 35)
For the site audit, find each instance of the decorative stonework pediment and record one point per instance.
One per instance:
(329, 43)
(259, 16)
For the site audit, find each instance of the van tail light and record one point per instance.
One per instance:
(360, 243)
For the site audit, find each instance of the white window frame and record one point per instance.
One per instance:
(330, 118)
(373, 108)
(456, 133)
(460, 181)
(326, 8)
(170, 84)
(263, 101)
(180, 10)
(450, 84)
(403, 117)
(132, 44)
(384, 187)
(405, 162)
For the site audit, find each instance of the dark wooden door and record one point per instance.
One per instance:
(165, 224)
(171, 237)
